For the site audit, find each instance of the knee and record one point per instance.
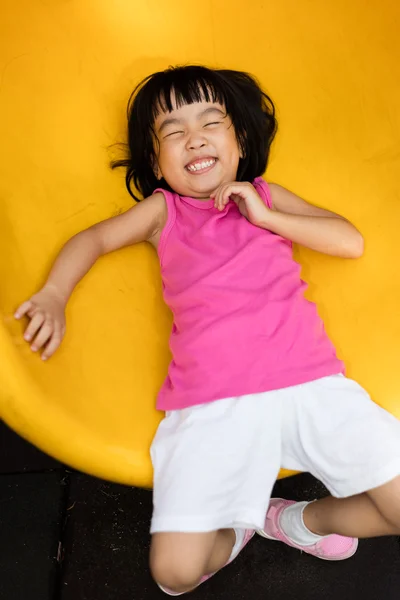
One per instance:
(177, 576)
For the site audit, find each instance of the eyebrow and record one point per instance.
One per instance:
(203, 113)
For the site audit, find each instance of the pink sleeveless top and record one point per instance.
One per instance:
(241, 324)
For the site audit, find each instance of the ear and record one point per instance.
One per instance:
(156, 170)
(242, 149)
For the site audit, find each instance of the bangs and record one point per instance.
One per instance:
(177, 87)
(251, 110)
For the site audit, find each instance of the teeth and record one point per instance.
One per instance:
(201, 165)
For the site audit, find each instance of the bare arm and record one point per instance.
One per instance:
(46, 308)
(312, 227)
(293, 218)
(138, 224)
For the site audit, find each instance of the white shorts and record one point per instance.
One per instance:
(215, 465)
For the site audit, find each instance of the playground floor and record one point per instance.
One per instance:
(68, 536)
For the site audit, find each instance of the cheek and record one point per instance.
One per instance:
(232, 144)
(170, 163)
(169, 156)
(234, 154)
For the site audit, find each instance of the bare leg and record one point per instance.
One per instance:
(222, 550)
(372, 514)
(178, 561)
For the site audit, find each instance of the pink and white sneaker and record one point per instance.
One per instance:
(331, 547)
(248, 535)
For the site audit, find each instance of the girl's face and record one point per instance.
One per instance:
(196, 148)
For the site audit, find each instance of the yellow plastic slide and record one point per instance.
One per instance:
(66, 71)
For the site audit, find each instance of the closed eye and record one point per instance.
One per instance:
(213, 123)
(172, 133)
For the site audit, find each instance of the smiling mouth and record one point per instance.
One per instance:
(201, 166)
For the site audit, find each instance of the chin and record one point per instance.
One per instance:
(203, 192)
(207, 186)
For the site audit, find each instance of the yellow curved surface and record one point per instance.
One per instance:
(66, 71)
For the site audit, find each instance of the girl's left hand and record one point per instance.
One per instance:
(245, 197)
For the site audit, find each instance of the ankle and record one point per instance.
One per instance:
(313, 519)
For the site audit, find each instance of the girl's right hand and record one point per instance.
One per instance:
(46, 311)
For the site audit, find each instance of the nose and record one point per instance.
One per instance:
(195, 141)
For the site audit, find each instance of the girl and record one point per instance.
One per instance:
(255, 383)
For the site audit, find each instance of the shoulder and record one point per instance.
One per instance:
(275, 195)
(272, 190)
(283, 199)
(156, 205)
(278, 194)
(156, 200)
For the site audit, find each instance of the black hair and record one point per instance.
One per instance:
(252, 113)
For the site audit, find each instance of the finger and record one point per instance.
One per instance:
(223, 196)
(23, 309)
(215, 195)
(53, 344)
(33, 327)
(226, 195)
(234, 191)
(45, 333)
